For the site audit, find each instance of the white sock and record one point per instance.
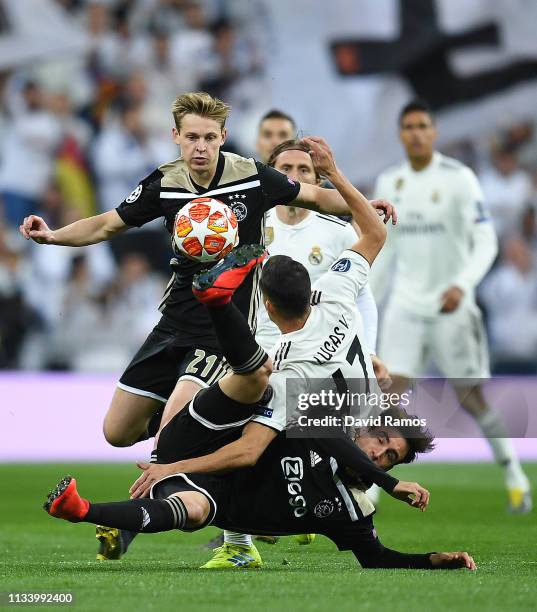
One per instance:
(502, 447)
(374, 494)
(238, 539)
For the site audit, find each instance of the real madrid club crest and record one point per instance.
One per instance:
(236, 202)
(269, 235)
(316, 256)
(435, 197)
(399, 184)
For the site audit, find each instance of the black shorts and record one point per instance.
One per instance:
(213, 487)
(211, 420)
(161, 362)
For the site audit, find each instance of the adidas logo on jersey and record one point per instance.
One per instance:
(315, 458)
(145, 518)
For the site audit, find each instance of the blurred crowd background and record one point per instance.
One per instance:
(78, 133)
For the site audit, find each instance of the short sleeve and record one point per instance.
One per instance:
(274, 414)
(143, 204)
(277, 188)
(348, 237)
(344, 280)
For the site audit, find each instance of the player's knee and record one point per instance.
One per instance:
(116, 437)
(198, 509)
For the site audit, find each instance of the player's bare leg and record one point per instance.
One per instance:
(183, 393)
(490, 422)
(128, 417)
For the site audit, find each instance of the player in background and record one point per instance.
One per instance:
(274, 128)
(316, 241)
(442, 247)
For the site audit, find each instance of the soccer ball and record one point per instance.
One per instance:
(205, 229)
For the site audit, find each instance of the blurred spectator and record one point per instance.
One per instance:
(99, 331)
(528, 229)
(191, 44)
(27, 155)
(124, 153)
(230, 60)
(523, 138)
(165, 77)
(16, 317)
(510, 297)
(48, 267)
(77, 134)
(507, 189)
(71, 170)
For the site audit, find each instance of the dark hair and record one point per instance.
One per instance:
(415, 106)
(289, 145)
(278, 114)
(286, 283)
(418, 437)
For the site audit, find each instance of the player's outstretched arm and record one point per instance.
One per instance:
(242, 453)
(373, 555)
(80, 233)
(372, 229)
(412, 494)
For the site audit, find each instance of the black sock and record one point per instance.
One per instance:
(236, 339)
(141, 515)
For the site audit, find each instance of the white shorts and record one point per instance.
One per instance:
(456, 342)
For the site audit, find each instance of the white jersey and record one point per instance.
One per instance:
(316, 242)
(444, 235)
(331, 343)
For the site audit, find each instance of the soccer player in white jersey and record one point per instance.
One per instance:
(314, 240)
(443, 246)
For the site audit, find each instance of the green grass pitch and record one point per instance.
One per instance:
(160, 572)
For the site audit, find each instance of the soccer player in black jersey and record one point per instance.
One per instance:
(181, 355)
(297, 486)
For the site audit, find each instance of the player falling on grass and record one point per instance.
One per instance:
(314, 240)
(302, 354)
(443, 246)
(297, 485)
(284, 494)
